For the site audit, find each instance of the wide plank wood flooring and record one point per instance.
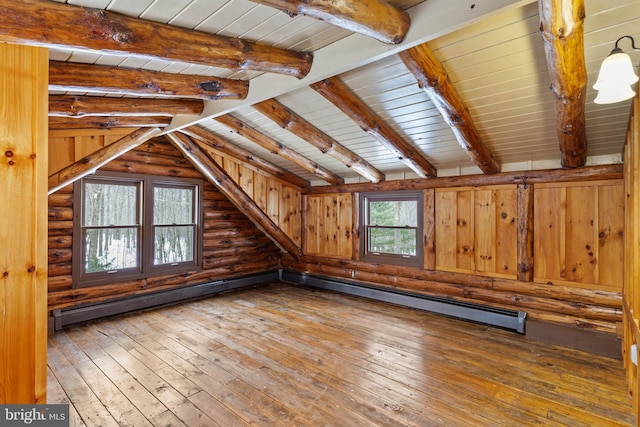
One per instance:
(283, 355)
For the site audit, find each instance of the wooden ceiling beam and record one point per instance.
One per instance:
(106, 122)
(340, 95)
(243, 129)
(225, 184)
(294, 123)
(562, 28)
(372, 18)
(89, 164)
(87, 106)
(62, 26)
(220, 144)
(434, 80)
(68, 76)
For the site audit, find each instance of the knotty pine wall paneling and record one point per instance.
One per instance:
(471, 237)
(631, 291)
(23, 260)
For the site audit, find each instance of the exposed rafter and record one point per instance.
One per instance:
(97, 159)
(59, 25)
(433, 78)
(87, 106)
(340, 95)
(243, 129)
(218, 177)
(216, 142)
(106, 122)
(372, 18)
(67, 76)
(562, 27)
(291, 121)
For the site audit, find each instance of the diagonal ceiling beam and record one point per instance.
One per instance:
(340, 96)
(58, 25)
(97, 159)
(434, 80)
(287, 119)
(372, 18)
(429, 20)
(67, 76)
(562, 27)
(220, 144)
(223, 182)
(86, 106)
(241, 128)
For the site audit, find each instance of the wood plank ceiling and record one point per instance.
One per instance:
(330, 105)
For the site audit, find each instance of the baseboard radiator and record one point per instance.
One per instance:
(505, 319)
(83, 313)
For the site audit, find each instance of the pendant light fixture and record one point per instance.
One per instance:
(616, 76)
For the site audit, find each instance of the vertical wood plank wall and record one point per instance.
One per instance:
(232, 245)
(631, 292)
(23, 268)
(577, 229)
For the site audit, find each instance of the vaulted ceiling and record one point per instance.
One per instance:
(371, 92)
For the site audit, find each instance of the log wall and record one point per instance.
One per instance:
(232, 245)
(551, 248)
(631, 293)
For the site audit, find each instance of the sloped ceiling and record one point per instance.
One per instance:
(493, 53)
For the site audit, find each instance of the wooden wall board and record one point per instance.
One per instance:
(23, 262)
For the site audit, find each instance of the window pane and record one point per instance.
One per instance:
(172, 205)
(392, 241)
(399, 213)
(110, 204)
(173, 244)
(111, 249)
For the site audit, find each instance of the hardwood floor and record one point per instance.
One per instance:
(283, 355)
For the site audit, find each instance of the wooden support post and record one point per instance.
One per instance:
(23, 229)
(429, 214)
(525, 232)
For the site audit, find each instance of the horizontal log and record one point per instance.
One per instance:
(58, 242)
(59, 283)
(60, 228)
(119, 165)
(588, 173)
(103, 293)
(61, 198)
(174, 160)
(562, 293)
(62, 269)
(62, 26)
(59, 255)
(107, 122)
(449, 291)
(83, 106)
(60, 213)
(372, 18)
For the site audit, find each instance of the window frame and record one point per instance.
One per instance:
(145, 252)
(366, 254)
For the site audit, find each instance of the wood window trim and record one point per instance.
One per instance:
(145, 268)
(409, 195)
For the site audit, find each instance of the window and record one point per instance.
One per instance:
(129, 227)
(392, 227)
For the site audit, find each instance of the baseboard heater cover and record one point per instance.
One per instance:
(501, 318)
(84, 313)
